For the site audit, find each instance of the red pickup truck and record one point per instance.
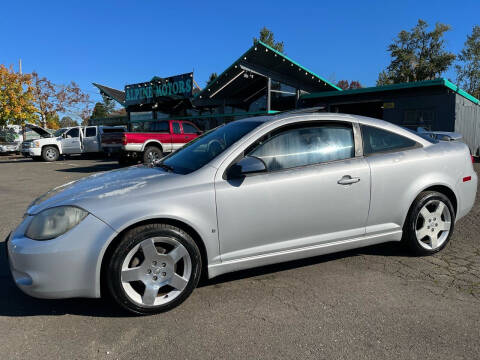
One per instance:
(152, 143)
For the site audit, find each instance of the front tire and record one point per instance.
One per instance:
(50, 153)
(153, 269)
(152, 154)
(429, 224)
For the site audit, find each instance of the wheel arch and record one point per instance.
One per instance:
(52, 145)
(447, 191)
(163, 220)
(155, 143)
(441, 188)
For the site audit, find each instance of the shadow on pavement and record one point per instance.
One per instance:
(104, 165)
(15, 304)
(15, 161)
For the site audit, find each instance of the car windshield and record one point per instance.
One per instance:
(59, 132)
(205, 148)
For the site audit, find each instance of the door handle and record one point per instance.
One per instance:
(187, 137)
(348, 180)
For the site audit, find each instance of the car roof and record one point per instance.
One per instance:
(314, 115)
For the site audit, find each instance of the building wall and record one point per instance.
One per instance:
(434, 110)
(467, 122)
(429, 107)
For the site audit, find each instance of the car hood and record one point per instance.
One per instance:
(39, 130)
(107, 187)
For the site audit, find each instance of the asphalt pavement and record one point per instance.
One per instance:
(372, 303)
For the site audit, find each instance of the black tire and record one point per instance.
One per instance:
(152, 153)
(112, 275)
(50, 153)
(411, 222)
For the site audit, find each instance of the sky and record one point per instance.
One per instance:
(122, 42)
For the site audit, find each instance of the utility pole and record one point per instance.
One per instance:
(20, 66)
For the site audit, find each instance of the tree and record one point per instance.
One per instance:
(417, 55)
(67, 121)
(52, 98)
(16, 97)
(53, 121)
(211, 78)
(267, 37)
(345, 85)
(99, 111)
(108, 103)
(468, 69)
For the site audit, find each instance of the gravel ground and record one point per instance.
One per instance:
(376, 302)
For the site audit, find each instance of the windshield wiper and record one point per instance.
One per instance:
(165, 166)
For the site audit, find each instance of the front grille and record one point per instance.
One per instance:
(26, 145)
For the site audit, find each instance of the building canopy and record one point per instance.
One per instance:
(260, 72)
(247, 78)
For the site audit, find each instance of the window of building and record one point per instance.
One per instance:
(308, 145)
(414, 119)
(143, 115)
(377, 140)
(189, 129)
(157, 126)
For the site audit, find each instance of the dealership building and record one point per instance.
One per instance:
(264, 81)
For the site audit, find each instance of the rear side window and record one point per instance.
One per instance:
(376, 140)
(91, 131)
(303, 146)
(189, 129)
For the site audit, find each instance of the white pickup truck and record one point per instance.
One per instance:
(65, 141)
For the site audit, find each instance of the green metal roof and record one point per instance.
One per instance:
(417, 84)
(224, 75)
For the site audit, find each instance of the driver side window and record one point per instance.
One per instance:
(306, 145)
(73, 133)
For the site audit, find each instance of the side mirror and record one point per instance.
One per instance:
(247, 165)
(199, 132)
(64, 135)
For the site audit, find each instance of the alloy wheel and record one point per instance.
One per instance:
(153, 156)
(433, 224)
(156, 271)
(50, 154)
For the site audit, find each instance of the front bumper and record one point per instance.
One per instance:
(35, 152)
(64, 267)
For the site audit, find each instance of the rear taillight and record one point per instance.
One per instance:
(473, 159)
(124, 140)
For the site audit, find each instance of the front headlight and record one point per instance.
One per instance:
(53, 222)
(35, 144)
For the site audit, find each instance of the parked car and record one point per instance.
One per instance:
(150, 145)
(249, 193)
(10, 139)
(65, 141)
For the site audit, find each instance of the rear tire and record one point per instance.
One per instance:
(50, 153)
(153, 269)
(429, 224)
(152, 154)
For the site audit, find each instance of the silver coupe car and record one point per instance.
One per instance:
(249, 193)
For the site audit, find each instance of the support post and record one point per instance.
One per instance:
(269, 96)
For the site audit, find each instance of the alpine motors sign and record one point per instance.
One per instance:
(175, 87)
